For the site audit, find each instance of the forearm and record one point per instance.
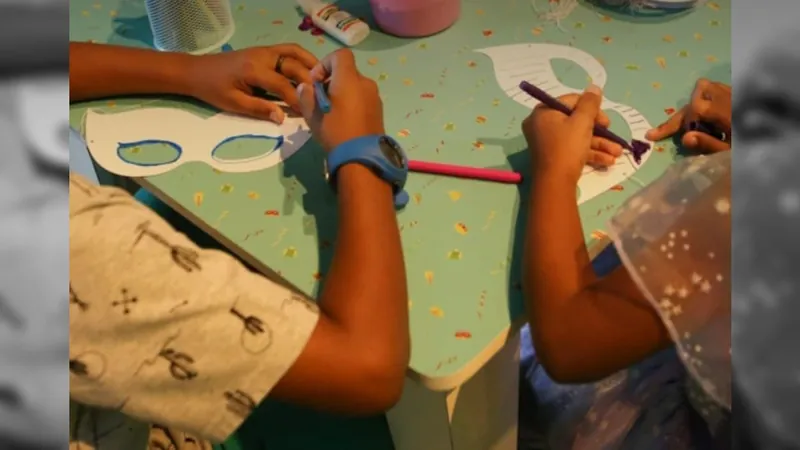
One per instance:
(32, 37)
(556, 262)
(584, 328)
(97, 71)
(365, 290)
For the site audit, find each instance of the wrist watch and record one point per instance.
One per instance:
(379, 153)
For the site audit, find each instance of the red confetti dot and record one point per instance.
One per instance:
(669, 111)
(463, 334)
(427, 95)
(272, 212)
(488, 33)
(617, 187)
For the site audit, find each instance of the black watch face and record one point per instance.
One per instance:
(392, 152)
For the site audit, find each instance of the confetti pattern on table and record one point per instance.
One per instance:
(442, 102)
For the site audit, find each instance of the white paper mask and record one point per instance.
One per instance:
(193, 137)
(533, 63)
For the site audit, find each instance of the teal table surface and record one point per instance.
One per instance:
(443, 102)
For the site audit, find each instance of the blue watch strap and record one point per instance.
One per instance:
(367, 151)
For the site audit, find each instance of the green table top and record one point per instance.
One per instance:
(443, 101)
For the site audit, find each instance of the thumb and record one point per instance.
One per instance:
(257, 107)
(703, 143)
(306, 101)
(587, 109)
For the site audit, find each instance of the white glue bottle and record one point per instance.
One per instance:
(340, 24)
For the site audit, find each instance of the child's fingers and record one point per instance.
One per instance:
(668, 128)
(704, 143)
(605, 146)
(600, 159)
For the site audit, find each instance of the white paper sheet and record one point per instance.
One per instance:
(195, 138)
(532, 62)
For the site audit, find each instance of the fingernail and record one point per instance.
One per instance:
(594, 89)
(275, 117)
(691, 141)
(649, 134)
(300, 88)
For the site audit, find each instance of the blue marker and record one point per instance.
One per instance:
(321, 95)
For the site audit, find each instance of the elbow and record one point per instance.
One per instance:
(382, 381)
(560, 362)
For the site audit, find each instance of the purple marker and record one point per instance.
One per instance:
(636, 147)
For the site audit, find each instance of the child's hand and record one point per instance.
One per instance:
(562, 145)
(711, 102)
(227, 80)
(356, 106)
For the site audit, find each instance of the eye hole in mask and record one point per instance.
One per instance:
(246, 147)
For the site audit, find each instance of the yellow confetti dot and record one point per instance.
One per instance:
(113, 13)
(383, 76)
(198, 198)
(403, 133)
(683, 53)
(537, 31)
(226, 188)
(253, 195)
(422, 45)
(320, 41)
(136, 150)
(372, 61)
(698, 37)
(417, 198)
(496, 102)
(402, 60)
(580, 25)
(111, 103)
(454, 254)
(85, 13)
(454, 195)
(598, 235)
(449, 126)
(604, 18)
(408, 81)
(656, 85)
(713, 6)
(662, 62)
(461, 229)
(480, 119)
(97, 6)
(631, 66)
(713, 23)
(216, 171)
(410, 304)
(436, 311)
(668, 38)
(262, 11)
(711, 58)
(429, 277)
(290, 252)
(479, 12)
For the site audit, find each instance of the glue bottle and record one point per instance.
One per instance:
(343, 26)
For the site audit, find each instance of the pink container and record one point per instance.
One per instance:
(415, 18)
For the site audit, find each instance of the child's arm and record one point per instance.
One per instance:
(584, 328)
(173, 334)
(98, 70)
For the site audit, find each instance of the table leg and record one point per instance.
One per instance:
(479, 415)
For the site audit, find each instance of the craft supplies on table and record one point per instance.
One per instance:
(415, 18)
(190, 26)
(341, 25)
